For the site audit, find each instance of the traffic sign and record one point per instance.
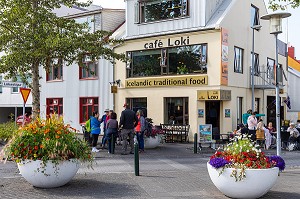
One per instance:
(11, 84)
(25, 93)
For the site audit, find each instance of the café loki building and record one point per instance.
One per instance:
(190, 61)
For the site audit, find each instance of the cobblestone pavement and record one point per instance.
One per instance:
(170, 171)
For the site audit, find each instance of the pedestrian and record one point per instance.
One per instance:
(128, 121)
(112, 130)
(140, 129)
(252, 123)
(104, 119)
(294, 133)
(95, 130)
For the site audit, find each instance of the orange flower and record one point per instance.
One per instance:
(36, 147)
(47, 139)
(47, 131)
(58, 132)
(41, 146)
(57, 136)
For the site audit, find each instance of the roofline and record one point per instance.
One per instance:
(91, 12)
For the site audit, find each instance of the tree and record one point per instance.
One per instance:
(32, 36)
(282, 4)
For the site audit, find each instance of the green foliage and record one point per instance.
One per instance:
(31, 36)
(283, 4)
(7, 130)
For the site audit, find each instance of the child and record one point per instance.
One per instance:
(112, 129)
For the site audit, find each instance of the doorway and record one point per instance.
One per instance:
(271, 110)
(212, 109)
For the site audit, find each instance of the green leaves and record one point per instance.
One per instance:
(283, 4)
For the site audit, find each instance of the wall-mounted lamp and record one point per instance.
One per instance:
(118, 82)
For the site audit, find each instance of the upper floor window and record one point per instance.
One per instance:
(270, 68)
(55, 71)
(87, 106)
(16, 89)
(256, 63)
(1, 85)
(89, 68)
(238, 59)
(168, 61)
(254, 16)
(54, 105)
(89, 20)
(155, 10)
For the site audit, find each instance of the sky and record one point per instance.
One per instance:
(291, 26)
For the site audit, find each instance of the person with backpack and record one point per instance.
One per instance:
(95, 130)
(140, 129)
(87, 131)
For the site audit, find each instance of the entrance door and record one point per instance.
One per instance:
(212, 109)
(271, 110)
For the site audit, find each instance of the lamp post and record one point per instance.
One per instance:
(255, 27)
(276, 28)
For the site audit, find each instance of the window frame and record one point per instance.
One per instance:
(53, 66)
(240, 67)
(254, 18)
(140, 10)
(256, 63)
(95, 107)
(85, 69)
(54, 102)
(165, 64)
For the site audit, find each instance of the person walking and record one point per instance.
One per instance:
(252, 123)
(104, 119)
(128, 121)
(140, 129)
(112, 130)
(95, 130)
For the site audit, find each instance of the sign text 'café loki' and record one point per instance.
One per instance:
(214, 95)
(164, 81)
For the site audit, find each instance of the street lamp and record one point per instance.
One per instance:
(276, 28)
(255, 27)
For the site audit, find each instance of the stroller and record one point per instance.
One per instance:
(86, 135)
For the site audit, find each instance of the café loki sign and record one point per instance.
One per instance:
(11, 84)
(164, 82)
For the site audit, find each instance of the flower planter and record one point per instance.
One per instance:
(49, 176)
(257, 182)
(152, 142)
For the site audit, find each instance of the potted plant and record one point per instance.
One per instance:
(242, 170)
(182, 69)
(153, 134)
(48, 152)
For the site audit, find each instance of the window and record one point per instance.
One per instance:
(239, 115)
(16, 89)
(254, 16)
(168, 61)
(136, 104)
(177, 108)
(256, 63)
(90, 21)
(270, 69)
(54, 105)
(87, 106)
(89, 68)
(1, 85)
(155, 10)
(56, 70)
(238, 60)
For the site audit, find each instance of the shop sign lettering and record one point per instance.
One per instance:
(182, 41)
(214, 95)
(173, 81)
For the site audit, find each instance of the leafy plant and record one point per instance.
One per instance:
(243, 154)
(47, 139)
(7, 130)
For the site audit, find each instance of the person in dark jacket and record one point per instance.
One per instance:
(128, 121)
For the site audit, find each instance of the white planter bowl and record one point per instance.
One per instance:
(48, 176)
(257, 182)
(152, 142)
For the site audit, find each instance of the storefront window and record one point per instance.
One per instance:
(168, 61)
(136, 104)
(156, 10)
(176, 110)
(54, 105)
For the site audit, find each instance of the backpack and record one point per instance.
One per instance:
(88, 125)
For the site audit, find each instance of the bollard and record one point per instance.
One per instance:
(195, 142)
(136, 159)
(112, 149)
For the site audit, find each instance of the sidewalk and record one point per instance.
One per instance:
(170, 171)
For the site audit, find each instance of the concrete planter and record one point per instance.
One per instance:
(257, 182)
(152, 142)
(50, 175)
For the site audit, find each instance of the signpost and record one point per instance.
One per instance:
(11, 84)
(25, 94)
